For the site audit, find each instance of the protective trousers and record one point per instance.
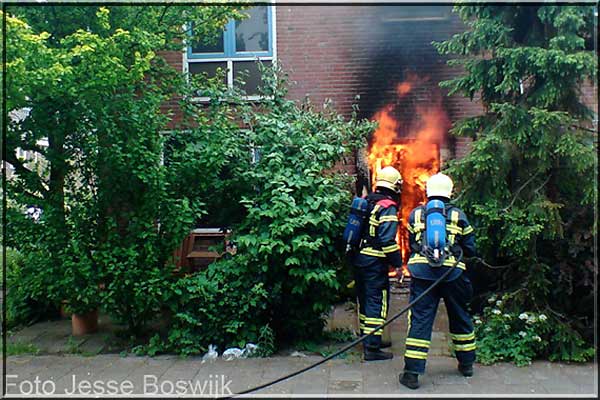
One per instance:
(373, 289)
(457, 296)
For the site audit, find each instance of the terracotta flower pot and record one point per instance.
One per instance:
(83, 324)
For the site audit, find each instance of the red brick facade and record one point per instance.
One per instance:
(358, 54)
(341, 52)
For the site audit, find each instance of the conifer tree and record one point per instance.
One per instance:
(529, 180)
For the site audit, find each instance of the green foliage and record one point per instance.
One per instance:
(163, 25)
(118, 190)
(90, 82)
(266, 342)
(22, 305)
(276, 158)
(18, 348)
(529, 180)
(505, 334)
(295, 210)
(220, 305)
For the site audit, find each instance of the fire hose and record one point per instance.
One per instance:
(358, 340)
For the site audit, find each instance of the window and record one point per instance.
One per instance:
(408, 13)
(237, 49)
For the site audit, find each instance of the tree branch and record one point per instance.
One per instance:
(583, 128)
(160, 20)
(482, 261)
(519, 191)
(21, 170)
(536, 190)
(31, 147)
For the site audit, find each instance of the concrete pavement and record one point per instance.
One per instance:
(111, 374)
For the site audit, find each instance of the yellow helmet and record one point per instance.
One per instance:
(439, 185)
(390, 178)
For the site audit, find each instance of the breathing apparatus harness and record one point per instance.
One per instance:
(458, 257)
(434, 245)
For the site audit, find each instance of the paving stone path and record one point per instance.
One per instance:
(92, 360)
(171, 375)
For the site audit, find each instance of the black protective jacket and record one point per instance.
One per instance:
(378, 242)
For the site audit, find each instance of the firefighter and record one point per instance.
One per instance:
(456, 290)
(377, 250)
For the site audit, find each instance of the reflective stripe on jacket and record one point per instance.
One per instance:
(380, 236)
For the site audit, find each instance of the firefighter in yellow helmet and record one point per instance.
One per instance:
(377, 250)
(456, 290)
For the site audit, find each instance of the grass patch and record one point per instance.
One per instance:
(18, 348)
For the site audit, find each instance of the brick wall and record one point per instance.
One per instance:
(171, 107)
(347, 51)
(341, 52)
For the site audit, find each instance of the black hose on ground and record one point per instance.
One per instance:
(356, 341)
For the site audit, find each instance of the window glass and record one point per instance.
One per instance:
(209, 68)
(210, 45)
(414, 13)
(248, 72)
(252, 33)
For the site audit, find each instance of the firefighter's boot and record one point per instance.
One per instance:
(466, 370)
(376, 355)
(385, 344)
(410, 380)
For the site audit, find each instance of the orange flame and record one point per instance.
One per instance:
(412, 149)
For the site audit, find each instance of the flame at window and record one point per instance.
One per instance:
(412, 147)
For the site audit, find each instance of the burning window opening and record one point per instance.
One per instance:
(412, 147)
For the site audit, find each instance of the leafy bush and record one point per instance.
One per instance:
(111, 210)
(222, 305)
(296, 209)
(23, 304)
(277, 159)
(504, 334)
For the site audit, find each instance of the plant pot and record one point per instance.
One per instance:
(83, 324)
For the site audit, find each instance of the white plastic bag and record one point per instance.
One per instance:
(250, 350)
(232, 353)
(212, 353)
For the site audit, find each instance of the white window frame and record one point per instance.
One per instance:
(230, 60)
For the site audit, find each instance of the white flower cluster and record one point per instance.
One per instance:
(496, 311)
(522, 334)
(507, 316)
(492, 299)
(537, 338)
(499, 303)
(523, 316)
(531, 319)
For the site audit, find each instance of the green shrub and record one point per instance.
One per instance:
(297, 207)
(24, 302)
(506, 334)
(277, 159)
(223, 305)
